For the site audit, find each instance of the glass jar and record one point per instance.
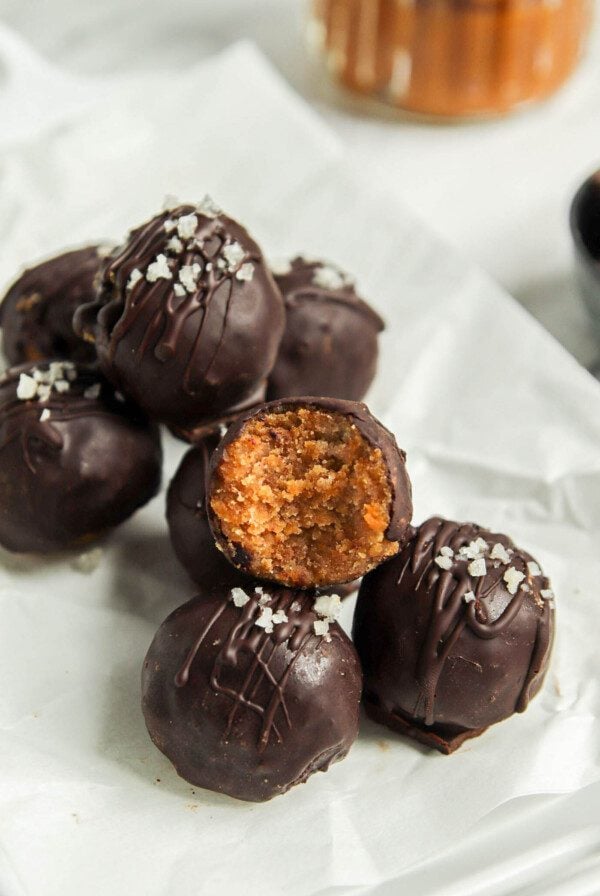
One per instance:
(451, 58)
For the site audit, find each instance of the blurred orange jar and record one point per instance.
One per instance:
(452, 58)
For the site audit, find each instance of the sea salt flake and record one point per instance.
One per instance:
(469, 597)
(279, 617)
(446, 551)
(444, 562)
(513, 579)
(239, 597)
(179, 290)
(328, 277)
(187, 225)
(175, 244)
(209, 208)
(159, 270)
(93, 392)
(170, 225)
(264, 599)
(233, 255)
(547, 594)
(45, 415)
(246, 272)
(41, 376)
(481, 545)
(533, 569)
(499, 552)
(134, 277)
(328, 606)
(61, 386)
(295, 607)
(321, 627)
(477, 567)
(27, 387)
(265, 620)
(44, 392)
(170, 202)
(188, 276)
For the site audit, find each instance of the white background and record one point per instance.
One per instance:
(499, 191)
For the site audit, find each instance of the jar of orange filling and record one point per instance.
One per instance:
(455, 58)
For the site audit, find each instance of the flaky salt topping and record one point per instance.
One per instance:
(280, 267)
(513, 578)
(209, 208)
(39, 384)
(327, 276)
(328, 607)
(159, 269)
(267, 619)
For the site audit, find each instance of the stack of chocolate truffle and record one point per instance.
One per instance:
(276, 511)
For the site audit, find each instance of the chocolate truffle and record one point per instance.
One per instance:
(309, 492)
(250, 691)
(36, 314)
(75, 461)
(329, 345)
(454, 634)
(188, 319)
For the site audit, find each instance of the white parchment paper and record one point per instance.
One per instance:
(500, 426)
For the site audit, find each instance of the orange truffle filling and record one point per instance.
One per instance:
(304, 498)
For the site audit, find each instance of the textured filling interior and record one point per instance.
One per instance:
(304, 498)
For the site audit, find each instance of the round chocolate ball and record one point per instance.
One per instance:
(249, 691)
(454, 634)
(36, 314)
(309, 492)
(75, 460)
(329, 345)
(188, 319)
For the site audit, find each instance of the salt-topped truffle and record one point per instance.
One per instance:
(188, 319)
(454, 634)
(36, 314)
(329, 345)
(249, 691)
(309, 492)
(75, 458)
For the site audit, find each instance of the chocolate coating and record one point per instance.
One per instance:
(371, 430)
(243, 711)
(188, 319)
(329, 345)
(74, 465)
(191, 536)
(36, 313)
(437, 666)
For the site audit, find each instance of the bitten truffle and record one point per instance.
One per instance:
(329, 345)
(454, 634)
(75, 461)
(36, 314)
(188, 319)
(309, 492)
(250, 691)
(189, 529)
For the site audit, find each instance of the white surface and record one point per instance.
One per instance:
(500, 426)
(499, 191)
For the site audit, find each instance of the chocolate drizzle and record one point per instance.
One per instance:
(449, 612)
(177, 320)
(447, 651)
(246, 638)
(248, 705)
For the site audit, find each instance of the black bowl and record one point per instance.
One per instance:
(585, 227)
